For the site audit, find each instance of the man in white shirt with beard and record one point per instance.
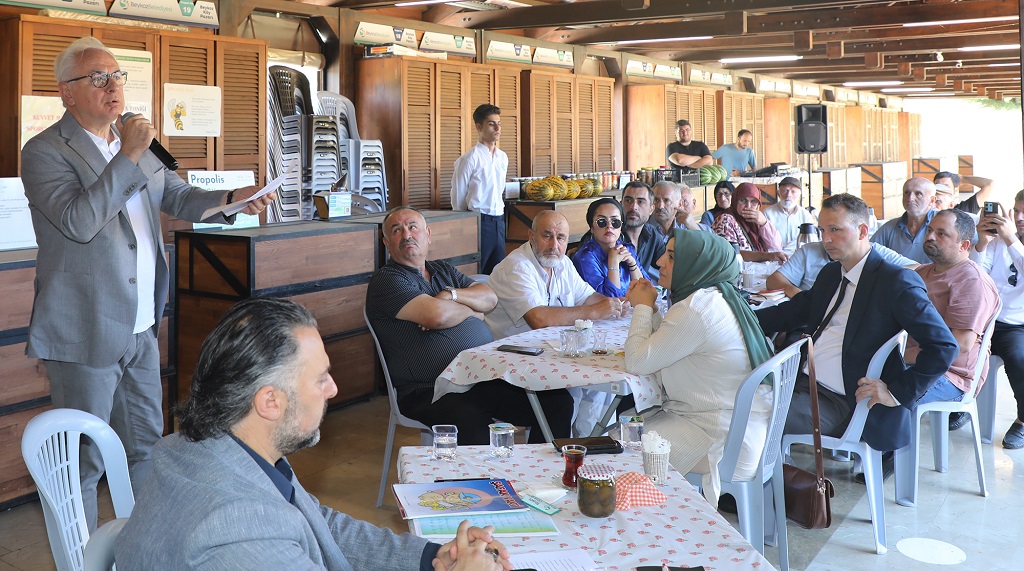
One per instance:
(787, 215)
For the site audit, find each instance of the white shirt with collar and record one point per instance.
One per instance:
(478, 183)
(828, 349)
(788, 224)
(145, 247)
(996, 260)
(521, 284)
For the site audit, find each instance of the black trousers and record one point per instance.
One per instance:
(492, 242)
(474, 409)
(1008, 343)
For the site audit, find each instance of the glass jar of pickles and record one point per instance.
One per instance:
(596, 490)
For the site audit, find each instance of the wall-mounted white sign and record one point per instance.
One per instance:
(370, 33)
(225, 180)
(639, 68)
(15, 221)
(191, 110)
(437, 42)
(506, 51)
(548, 56)
(202, 13)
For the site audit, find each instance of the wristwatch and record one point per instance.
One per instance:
(451, 290)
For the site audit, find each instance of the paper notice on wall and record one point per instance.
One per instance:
(138, 90)
(38, 113)
(191, 110)
(15, 221)
(225, 180)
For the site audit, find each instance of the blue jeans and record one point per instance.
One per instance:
(942, 390)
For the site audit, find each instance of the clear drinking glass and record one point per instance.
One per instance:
(502, 436)
(632, 427)
(446, 441)
(600, 342)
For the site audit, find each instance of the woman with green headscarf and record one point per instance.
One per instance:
(701, 351)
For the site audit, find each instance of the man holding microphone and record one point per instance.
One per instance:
(95, 193)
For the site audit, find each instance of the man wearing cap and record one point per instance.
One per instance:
(787, 215)
(685, 154)
(952, 181)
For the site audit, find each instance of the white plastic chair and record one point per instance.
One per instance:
(397, 418)
(50, 447)
(336, 104)
(986, 400)
(99, 552)
(750, 494)
(850, 441)
(360, 201)
(938, 413)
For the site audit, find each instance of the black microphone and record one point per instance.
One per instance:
(156, 148)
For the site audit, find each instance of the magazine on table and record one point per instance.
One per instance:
(457, 498)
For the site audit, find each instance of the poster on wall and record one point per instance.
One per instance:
(191, 110)
(138, 91)
(15, 221)
(38, 113)
(202, 13)
(225, 180)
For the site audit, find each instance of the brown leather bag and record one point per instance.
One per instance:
(808, 496)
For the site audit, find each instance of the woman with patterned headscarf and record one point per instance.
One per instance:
(746, 226)
(701, 351)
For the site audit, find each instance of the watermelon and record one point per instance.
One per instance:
(708, 175)
(722, 173)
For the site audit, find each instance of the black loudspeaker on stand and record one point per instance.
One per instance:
(811, 128)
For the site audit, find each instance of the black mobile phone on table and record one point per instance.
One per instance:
(594, 444)
(534, 351)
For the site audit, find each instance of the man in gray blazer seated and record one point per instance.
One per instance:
(95, 192)
(223, 496)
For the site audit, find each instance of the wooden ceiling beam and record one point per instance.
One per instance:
(442, 14)
(896, 33)
(615, 11)
(873, 16)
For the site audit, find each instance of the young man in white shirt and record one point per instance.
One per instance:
(478, 185)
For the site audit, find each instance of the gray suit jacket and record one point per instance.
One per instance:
(85, 292)
(209, 506)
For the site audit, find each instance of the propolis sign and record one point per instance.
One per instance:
(193, 13)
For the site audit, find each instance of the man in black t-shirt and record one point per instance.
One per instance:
(952, 200)
(685, 154)
(424, 314)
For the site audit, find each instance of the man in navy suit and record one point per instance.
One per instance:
(873, 300)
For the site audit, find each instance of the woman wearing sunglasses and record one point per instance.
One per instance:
(603, 260)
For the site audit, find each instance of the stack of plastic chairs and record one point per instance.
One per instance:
(324, 159)
(288, 144)
(341, 107)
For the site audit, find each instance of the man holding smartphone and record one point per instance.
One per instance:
(1001, 254)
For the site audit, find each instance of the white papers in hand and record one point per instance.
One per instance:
(565, 560)
(236, 207)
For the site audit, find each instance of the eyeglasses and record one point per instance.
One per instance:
(1012, 279)
(603, 223)
(100, 79)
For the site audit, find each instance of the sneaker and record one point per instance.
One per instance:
(1014, 438)
(957, 420)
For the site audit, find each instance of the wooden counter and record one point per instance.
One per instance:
(882, 187)
(323, 266)
(454, 237)
(24, 387)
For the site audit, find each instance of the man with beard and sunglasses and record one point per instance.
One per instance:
(222, 495)
(426, 312)
(1001, 253)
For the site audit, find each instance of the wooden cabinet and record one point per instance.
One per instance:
(454, 237)
(737, 111)
(882, 187)
(835, 157)
(422, 112)
(323, 266)
(650, 116)
(567, 123)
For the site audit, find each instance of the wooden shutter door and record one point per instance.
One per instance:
(539, 143)
(586, 126)
(709, 119)
(506, 88)
(605, 135)
(481, 91)
(672, 106)
(126, 40)
(565, 124)
(190, 61)
(41, 44)
(726, 104)
(758, 128)
(242, 75)
(453, 115)
(418, 146)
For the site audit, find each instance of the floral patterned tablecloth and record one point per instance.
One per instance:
(550, 370)
(685, 531)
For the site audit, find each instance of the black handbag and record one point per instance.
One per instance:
(809, 495)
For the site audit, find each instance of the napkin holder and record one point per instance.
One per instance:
(330, 205)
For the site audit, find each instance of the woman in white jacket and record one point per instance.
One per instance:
(701, 351)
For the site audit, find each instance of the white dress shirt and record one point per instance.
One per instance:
(478, 183)
(996, 260)
(145, 247)
(828, 349)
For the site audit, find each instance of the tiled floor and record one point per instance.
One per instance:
(344, 471)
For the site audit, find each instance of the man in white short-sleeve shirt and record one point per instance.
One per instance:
(537, 285)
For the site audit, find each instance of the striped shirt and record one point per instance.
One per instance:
(415, 357)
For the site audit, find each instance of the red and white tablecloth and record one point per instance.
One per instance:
(550, 370)
(684, 531)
